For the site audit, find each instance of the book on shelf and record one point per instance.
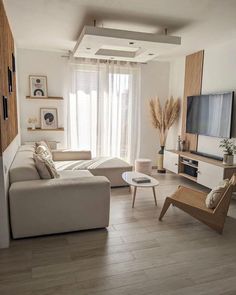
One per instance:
(141, 180)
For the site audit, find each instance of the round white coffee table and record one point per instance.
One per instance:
(128, 177)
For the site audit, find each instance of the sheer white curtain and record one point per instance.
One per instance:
(104, 108)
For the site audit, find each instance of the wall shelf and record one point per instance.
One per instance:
(45, 98)
(40, 129)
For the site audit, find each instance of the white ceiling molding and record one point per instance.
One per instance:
(105, 43)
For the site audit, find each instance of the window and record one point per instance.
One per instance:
(104, 109)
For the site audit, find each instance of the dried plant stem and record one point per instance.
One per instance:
(164, 118)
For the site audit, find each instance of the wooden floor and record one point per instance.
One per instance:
(136, 255)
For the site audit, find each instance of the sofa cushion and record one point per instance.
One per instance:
(112, 168)
(23, 166)
(45, 166)
(27, 148)
(75, 173)
(96, 163)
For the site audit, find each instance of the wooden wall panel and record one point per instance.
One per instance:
(9, 128)
(192, 86)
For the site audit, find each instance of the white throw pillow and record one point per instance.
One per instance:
(214, 197)
(45, 167)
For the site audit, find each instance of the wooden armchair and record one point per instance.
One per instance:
(193, 203)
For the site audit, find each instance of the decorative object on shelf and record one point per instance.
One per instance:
(38, 86)
(179, 143)
(49, 118)
(229, 151)
(182, 145)
(32, 121)
(162, 119)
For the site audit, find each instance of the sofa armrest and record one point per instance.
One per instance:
(70, 155)
(41, 207)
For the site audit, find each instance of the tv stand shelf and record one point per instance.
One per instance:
(203, 170)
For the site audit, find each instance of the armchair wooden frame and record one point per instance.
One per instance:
(193, 202)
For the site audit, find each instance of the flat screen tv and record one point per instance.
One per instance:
(210, 115)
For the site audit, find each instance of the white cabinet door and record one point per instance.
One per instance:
(209, 175)
(171, 161)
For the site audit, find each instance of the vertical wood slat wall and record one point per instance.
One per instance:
(9, 127)
(192, 86)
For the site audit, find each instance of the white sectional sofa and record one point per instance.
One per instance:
(75, 201)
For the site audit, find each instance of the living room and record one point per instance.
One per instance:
(117, 152)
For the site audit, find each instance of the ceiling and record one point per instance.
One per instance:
(55, 25)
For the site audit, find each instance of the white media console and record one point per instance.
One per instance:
(203, 170)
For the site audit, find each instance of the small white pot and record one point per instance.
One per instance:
(228, 159)
(32, 126)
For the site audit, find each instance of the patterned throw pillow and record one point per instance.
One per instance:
(214, 197)
(45, 145)
(45, 167)
(43, 151)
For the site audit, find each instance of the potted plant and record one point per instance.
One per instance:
(162, 119)
(229, 151)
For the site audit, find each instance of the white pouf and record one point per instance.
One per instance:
(143, 166)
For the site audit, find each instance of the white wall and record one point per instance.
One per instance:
(54, 67)
(176, 89)
(219, 75)
(154, 82)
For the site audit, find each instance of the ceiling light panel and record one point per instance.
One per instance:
(122, 45)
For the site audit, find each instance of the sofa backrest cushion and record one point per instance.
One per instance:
(23, 166)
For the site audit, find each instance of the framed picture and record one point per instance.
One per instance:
(48, 118)
(38, 86)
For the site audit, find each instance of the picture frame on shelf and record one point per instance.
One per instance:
(49, 118)
(38, 86)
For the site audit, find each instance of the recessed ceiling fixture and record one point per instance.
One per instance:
(104, 43)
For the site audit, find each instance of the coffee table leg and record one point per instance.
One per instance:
(154, 194)
(134, 195)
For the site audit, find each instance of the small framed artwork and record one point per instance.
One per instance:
(9, 80)
(13, 63)
(48, 118)
(5, 107)
(38, 86)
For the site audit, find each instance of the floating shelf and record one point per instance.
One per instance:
(40, 129)
(43, 98)
(189, 164)
(188, 176)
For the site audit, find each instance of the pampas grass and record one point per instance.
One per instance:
(164, 118)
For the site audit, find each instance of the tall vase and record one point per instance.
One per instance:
(160, 158)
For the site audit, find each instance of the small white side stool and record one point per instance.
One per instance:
(143, 166)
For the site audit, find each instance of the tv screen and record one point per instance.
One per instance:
(210, 114)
